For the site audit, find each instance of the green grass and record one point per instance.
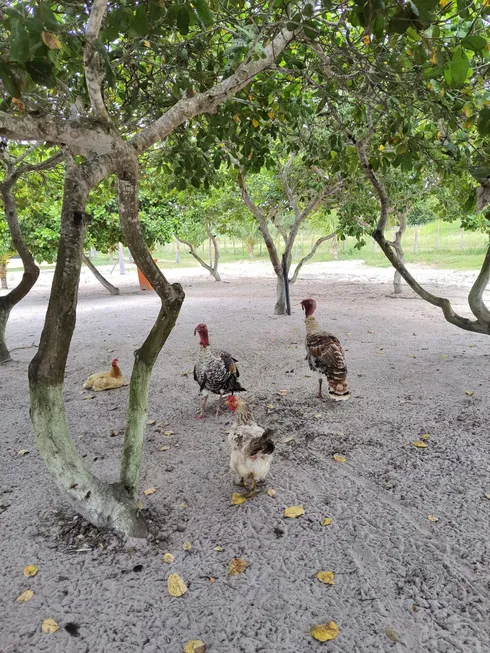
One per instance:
(436, 247)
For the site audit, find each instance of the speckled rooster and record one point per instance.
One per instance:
(325, 355)
(215, 371)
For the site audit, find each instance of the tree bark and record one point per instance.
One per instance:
(397, 244)
(4, 316)
(280, 307)
(100, 278)
(3, 276)
(104, 505)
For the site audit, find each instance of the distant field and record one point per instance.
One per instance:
(440, 245)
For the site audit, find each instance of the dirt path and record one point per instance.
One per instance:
(409, 371)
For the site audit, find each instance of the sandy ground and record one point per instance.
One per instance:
(394, 568)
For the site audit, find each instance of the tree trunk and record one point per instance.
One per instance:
(122, 267)
(234, 246)
(100, 278)
(104, 505)
(397, 244)
(4, 316)
(250, 247)
(335, 247)
(177, 251)
(3, 276)
(280, 307)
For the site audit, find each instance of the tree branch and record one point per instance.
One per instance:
(193, 252)
(475, 298)
(309, 256)
(377, 185)
(92, 63)
(216, 251)
(100, 278)
(287, 188)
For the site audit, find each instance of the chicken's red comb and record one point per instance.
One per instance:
(200, 327)
(115, 361)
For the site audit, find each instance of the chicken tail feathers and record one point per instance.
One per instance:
(337, 387)
(262, 445)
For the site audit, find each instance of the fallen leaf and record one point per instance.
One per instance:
(412, 356)
(444, 356)
(271, 492)
(370, 331)
(25, 596)
(176, 586)
(294, 511)
(212, 580)
(326, 521)
(472, 345)
(139, 505)
(237, 499)
(283, 393)
(195, 646)
(114, 433)
(339, 458)
(392, 634)
(271, 406)
(325, 632)
(164, 448)
(348, 333)
(184, 505)
(23, 452)
(150, 490)
(424, 436)
(290, 438)
(168, 557)
(326, 577)
(49, 626)
(168, 433)
(487, 494)
(432, 517)
(150, 422)
(318, 415)
(470, 393)
(218, 548)
(51, 40)
(379, 352)
(187, 546)
(419, 444)
(30, 570)
(237, 566)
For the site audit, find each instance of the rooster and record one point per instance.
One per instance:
(251, 445)
(106, 380)
(325, 355)
(215, 371)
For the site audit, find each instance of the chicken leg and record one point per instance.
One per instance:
(200, 413)
(320, 395)
(252, 486)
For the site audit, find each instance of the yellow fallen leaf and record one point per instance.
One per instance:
(432, 517)
(51, 40)
(326, 521)
(237, 566)
(168, 433)
(294, 511)
(212, 580)
(168, 557)
(187, 546)
(370, 331)
(325, 632)
(470, 393)
(392, 634)
(326, 577)
(339, 458)
(218, 548)
(30, 570)
(195, 646)
(444, 356)
(271, 492)
(271, 406)
(348, 333)
(150, 422)
(23, 452)
(419, 444)
(25, 596)
(164, 448)
(472, 345)
(412, 356)
(318, 415)
(49, 626)
(487, 494)
(176, 586)
(425, 436)
(150, 490)
(237, 499)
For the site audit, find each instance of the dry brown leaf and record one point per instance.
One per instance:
(370, 331)
(326, 577)
(318, 415)
(339, 458)
(150, 422)
(211, 579)
(51, 40)
(30, 570)
(168, 557)
(294, 511)
(113, 433)
(187, 546)
(176, 586)
(168, 433)
(218, 548)
(283, 393)
(271, 492)
(326, 521)
(412, 356)
(470, 393)
(424, 436)
(237, 566)
(419, 444)
(49, 626)
(195, 646)
(289, 439)
(150, 490)
(432, 517)
(325, 632)
(23, 452)
(164, 448)
(237, 499)
(393, 634)
(487, 494)
(25, 596)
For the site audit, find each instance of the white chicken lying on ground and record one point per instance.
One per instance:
(251, 445)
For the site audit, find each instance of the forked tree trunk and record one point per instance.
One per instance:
(100, 278)
(104, 505)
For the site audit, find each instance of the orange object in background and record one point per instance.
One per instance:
(143, 281)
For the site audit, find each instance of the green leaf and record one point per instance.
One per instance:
(140, 23)
(484, 122)
(459, 66)
(19, 43)
(9, 80)
(41, 72)
(475, 42)
(204, 12)
(183, 20)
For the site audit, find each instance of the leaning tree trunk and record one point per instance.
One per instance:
(103, 504)
(100, 278)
